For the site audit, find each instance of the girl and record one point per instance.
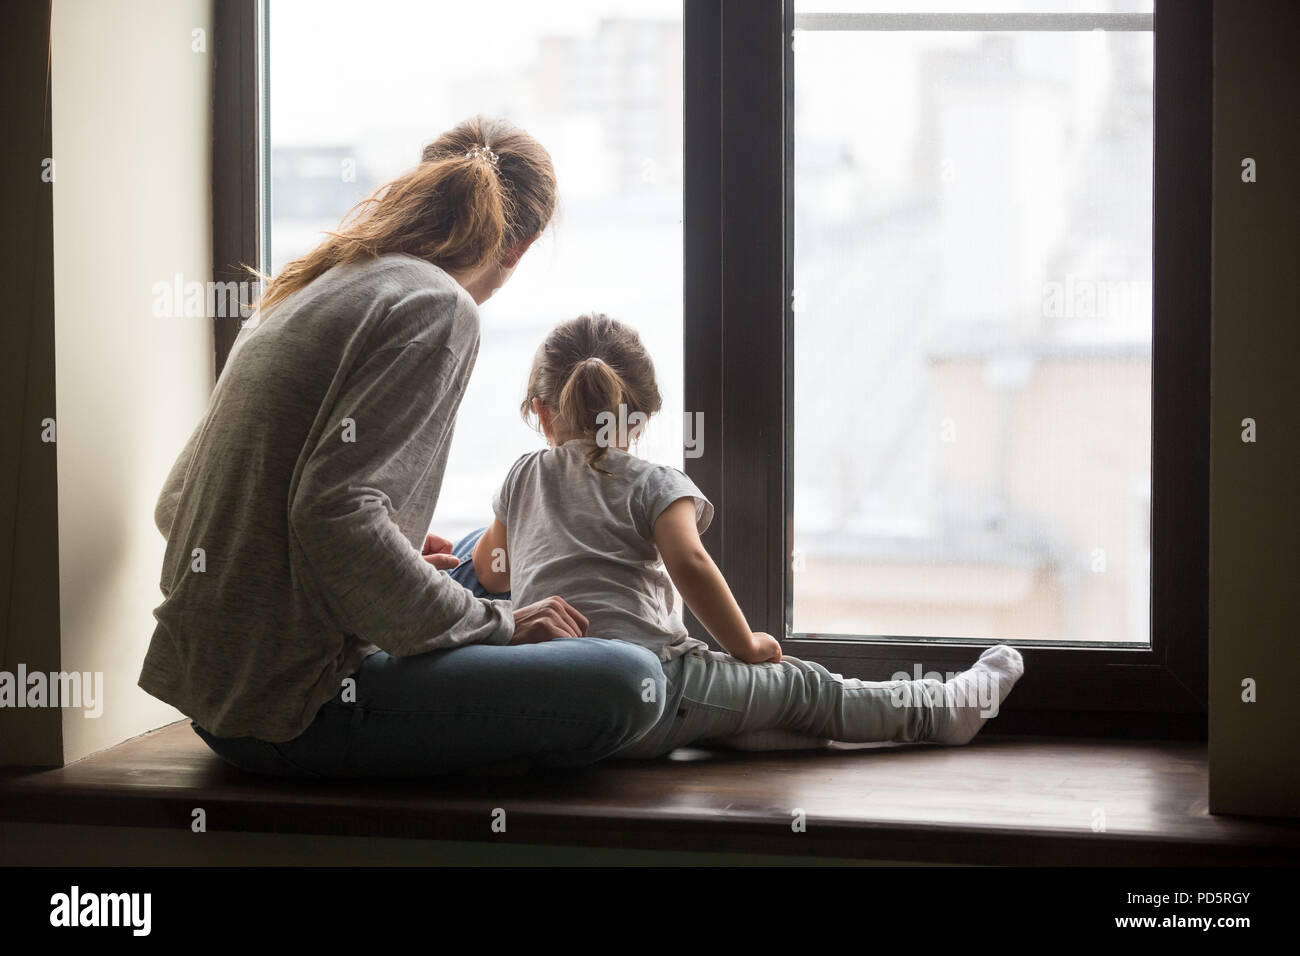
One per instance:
(586, 518)
(307, 626)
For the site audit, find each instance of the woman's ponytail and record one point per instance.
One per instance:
(466, 194)
(479, 189)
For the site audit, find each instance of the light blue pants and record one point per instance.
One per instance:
(715, 699)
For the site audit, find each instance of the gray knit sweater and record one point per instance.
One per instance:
(295, 515)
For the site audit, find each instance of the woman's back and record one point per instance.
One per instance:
(271, 507)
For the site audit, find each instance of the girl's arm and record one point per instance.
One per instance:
(703, 587)
(491, 566)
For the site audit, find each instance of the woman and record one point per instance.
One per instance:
(307, 626)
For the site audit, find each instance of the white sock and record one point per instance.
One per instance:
(973, 696)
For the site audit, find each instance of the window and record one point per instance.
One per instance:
(972, 322)
(900, 221)
(353, 100)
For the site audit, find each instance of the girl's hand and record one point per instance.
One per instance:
(765, 649)
(437, 551)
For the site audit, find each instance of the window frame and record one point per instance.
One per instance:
(239, 197)
(739, 67)
(737, 209)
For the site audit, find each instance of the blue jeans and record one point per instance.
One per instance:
(563, 703)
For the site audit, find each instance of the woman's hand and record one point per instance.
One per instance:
(547, 620)
(437, 551)
(765, 649)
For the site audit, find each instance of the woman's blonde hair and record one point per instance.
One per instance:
(589, 366)
(479, 189)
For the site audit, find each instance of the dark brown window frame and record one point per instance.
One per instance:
(238, 109)
(738, 195)
(738, 277)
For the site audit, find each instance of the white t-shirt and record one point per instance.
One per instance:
(588, 536)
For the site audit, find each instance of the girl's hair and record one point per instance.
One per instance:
(479, 189)
(588, 366)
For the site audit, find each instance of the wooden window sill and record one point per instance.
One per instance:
(999, 800)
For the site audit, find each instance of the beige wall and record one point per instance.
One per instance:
(131, 114)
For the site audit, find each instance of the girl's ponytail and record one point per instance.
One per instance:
(592, 388)
(588, 366)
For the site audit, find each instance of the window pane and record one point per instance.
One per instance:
(972, 327)
(357, 90)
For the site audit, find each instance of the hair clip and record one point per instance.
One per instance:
(484, 152)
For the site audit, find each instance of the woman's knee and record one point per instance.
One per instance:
(630, 678)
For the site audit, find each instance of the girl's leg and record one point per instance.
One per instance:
(464, 572)
(566, 702)
(714, 697)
